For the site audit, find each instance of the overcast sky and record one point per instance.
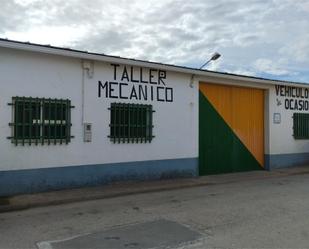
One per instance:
(267, 38)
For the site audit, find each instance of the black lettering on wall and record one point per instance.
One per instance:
(142, 91)
(133, 93)
(102, 87)
(161, 76)
(169, 94)
(112, 89)
(277, 89)
(125, 74)
(286, 104)
(151, 88)
(151, 76)
(132, 75)
(158, 93)
(115, 70)
(122, 87)
(281, 91)
(120, 90)
(141, 76)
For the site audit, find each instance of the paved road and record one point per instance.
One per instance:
(269, 213)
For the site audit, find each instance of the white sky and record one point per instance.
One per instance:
(267, 38)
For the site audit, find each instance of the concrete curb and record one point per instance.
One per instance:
(22, 202)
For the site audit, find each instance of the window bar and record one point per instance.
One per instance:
(150, 123)
(111, 121)
(147, 123)
(113, 112)
(15, 121)
(49, 114)
(304, 123)
(37, 115)
(306, 126)
(141, 123)
(42, 118)
(68, 122)
(133, 122)
(124, 107)
(136, 123)
(23, 121)
(119, 122)
(129, 124)
(61, 121)
(295, 125)
(299, 124)
(30, 120)
(55, 122)
(69, 119)
(144, 123)
(115, 124)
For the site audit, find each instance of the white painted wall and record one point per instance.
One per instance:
(40, 75)
(281, 135)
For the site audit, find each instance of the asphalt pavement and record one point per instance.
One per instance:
(245, 210)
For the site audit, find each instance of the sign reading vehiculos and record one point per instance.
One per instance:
(295, 98)
(136, 84)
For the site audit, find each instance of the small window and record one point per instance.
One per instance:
(39, 120)
(301, 125)
(131, 123)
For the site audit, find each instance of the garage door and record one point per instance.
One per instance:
(231, 129)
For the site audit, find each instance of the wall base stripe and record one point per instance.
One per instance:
(45, 179)
(278, 161)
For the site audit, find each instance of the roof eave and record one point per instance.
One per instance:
(120, 60)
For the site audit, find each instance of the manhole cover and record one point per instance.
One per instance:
(159, 233)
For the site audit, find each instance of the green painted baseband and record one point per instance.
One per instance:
(220, 150)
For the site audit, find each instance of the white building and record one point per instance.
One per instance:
(72, 118)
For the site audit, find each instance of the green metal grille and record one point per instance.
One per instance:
(41, 121)
(301, 125)
(131, 123)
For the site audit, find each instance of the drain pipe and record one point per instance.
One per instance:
(88, 70)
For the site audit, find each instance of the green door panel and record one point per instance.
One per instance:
(220, 150)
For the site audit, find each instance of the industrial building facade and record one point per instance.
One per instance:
(71, 118)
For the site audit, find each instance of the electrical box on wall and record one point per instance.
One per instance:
(87, 132)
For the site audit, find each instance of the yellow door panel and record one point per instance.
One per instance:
(243, 110)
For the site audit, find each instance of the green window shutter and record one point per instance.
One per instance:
(301, 125)
(131, 123)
